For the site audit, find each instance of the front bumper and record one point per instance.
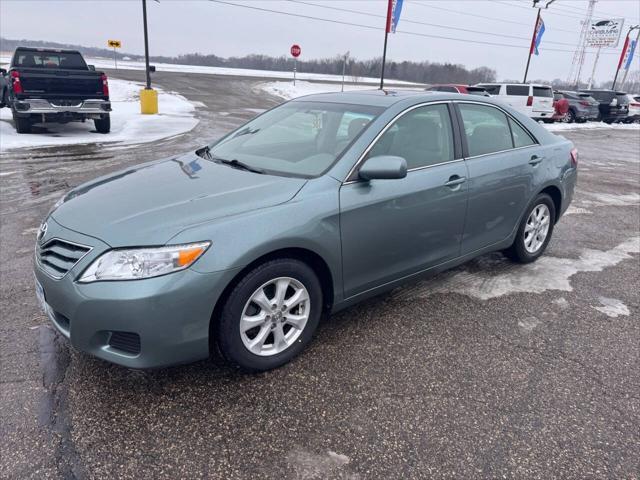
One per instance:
(41, 105)
(169, 315)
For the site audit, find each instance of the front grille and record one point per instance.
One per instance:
(57, 256)
(127, 342)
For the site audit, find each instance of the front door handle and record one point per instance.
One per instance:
(455, 180)
(535, 160)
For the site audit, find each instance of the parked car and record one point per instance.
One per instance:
(634, 109)
(582, 106)
(561, 108)
(312, 206)
(535, 101)
(53, 85)
(457, 88)
(613, 106)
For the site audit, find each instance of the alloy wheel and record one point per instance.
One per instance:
(275, 316)
(537, 228)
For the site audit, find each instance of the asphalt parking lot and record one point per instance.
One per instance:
(490, 370)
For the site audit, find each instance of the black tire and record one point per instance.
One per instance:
(22, 124)
(103, 125)
(571, 116)
(3, 99)
(518, 251)
(227, 328)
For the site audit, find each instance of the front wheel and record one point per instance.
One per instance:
(569, 117)
(270, 316)
(103, 125)
(534, 232)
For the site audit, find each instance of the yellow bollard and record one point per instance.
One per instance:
(148, 101)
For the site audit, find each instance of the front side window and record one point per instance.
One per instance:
(422, 136)
(486, 128)
(298, 138)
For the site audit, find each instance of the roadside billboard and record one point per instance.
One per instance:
(605, 33)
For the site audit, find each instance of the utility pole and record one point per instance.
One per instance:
(146, 43)
(148, 96)
(535, 34)
(623, 53)
(593, 72)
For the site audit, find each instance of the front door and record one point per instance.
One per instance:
(394, 228)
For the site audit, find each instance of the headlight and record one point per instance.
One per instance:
(137, 263)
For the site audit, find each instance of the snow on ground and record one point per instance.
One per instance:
(101, 63)
(288, 91)
(128, 125)
(558, 127)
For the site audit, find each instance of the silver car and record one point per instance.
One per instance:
(307, 209)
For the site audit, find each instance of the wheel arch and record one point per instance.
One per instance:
(309, 257)
(556, 195)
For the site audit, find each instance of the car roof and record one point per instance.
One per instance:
(514, 83)
(387, 98)
(39, 49)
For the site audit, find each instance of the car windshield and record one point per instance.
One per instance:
(296, 139)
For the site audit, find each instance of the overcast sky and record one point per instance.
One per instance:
(208, 27)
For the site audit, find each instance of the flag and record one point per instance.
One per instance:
(630, 51)
(538, 36)
(394, 9)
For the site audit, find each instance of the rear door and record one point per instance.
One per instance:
(502, 164)
(542, 100)
(394, 228)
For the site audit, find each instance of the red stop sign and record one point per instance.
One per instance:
(296, 50)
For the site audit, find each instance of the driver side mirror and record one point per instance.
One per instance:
(383, 167)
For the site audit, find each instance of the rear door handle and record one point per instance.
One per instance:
(535, 160)
(455, 180)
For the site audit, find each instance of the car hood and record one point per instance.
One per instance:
(151, 203)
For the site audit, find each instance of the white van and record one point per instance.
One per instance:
(533, 100)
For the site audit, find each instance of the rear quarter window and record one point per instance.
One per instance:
(518, 90)
(542, 92)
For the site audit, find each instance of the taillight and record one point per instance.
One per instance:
(634, 104)
(529, 101)
(15, 78)
(105, 85)
(585, 104)
(574, 157)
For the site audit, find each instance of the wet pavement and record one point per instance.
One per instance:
(489, 370)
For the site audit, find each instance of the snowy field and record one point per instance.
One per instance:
(102, 63)
(128, 125)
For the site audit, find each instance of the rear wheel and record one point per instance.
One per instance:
(103, 125)
(270, 316)
(23, 124)
(569, 117)
(534, 232)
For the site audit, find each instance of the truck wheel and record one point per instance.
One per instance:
(103, 125)
(3, 99)
(23, 124)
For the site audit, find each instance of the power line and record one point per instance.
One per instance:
(370, 27)
(552, 12)
(427, 4)
(421, 23)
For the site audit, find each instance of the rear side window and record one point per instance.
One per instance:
(542, 92)
(422, 137)
(486, 128)
(520, 90)
(622, 98)
(521, 137)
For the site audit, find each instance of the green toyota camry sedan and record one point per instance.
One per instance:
(311, 207)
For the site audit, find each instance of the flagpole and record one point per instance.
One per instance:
(387, 27)
(533, 41)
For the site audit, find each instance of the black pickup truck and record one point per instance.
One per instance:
(51, 85)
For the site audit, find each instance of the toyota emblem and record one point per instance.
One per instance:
(42, 231)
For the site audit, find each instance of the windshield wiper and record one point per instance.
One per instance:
(238, 164)
(205, 152)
